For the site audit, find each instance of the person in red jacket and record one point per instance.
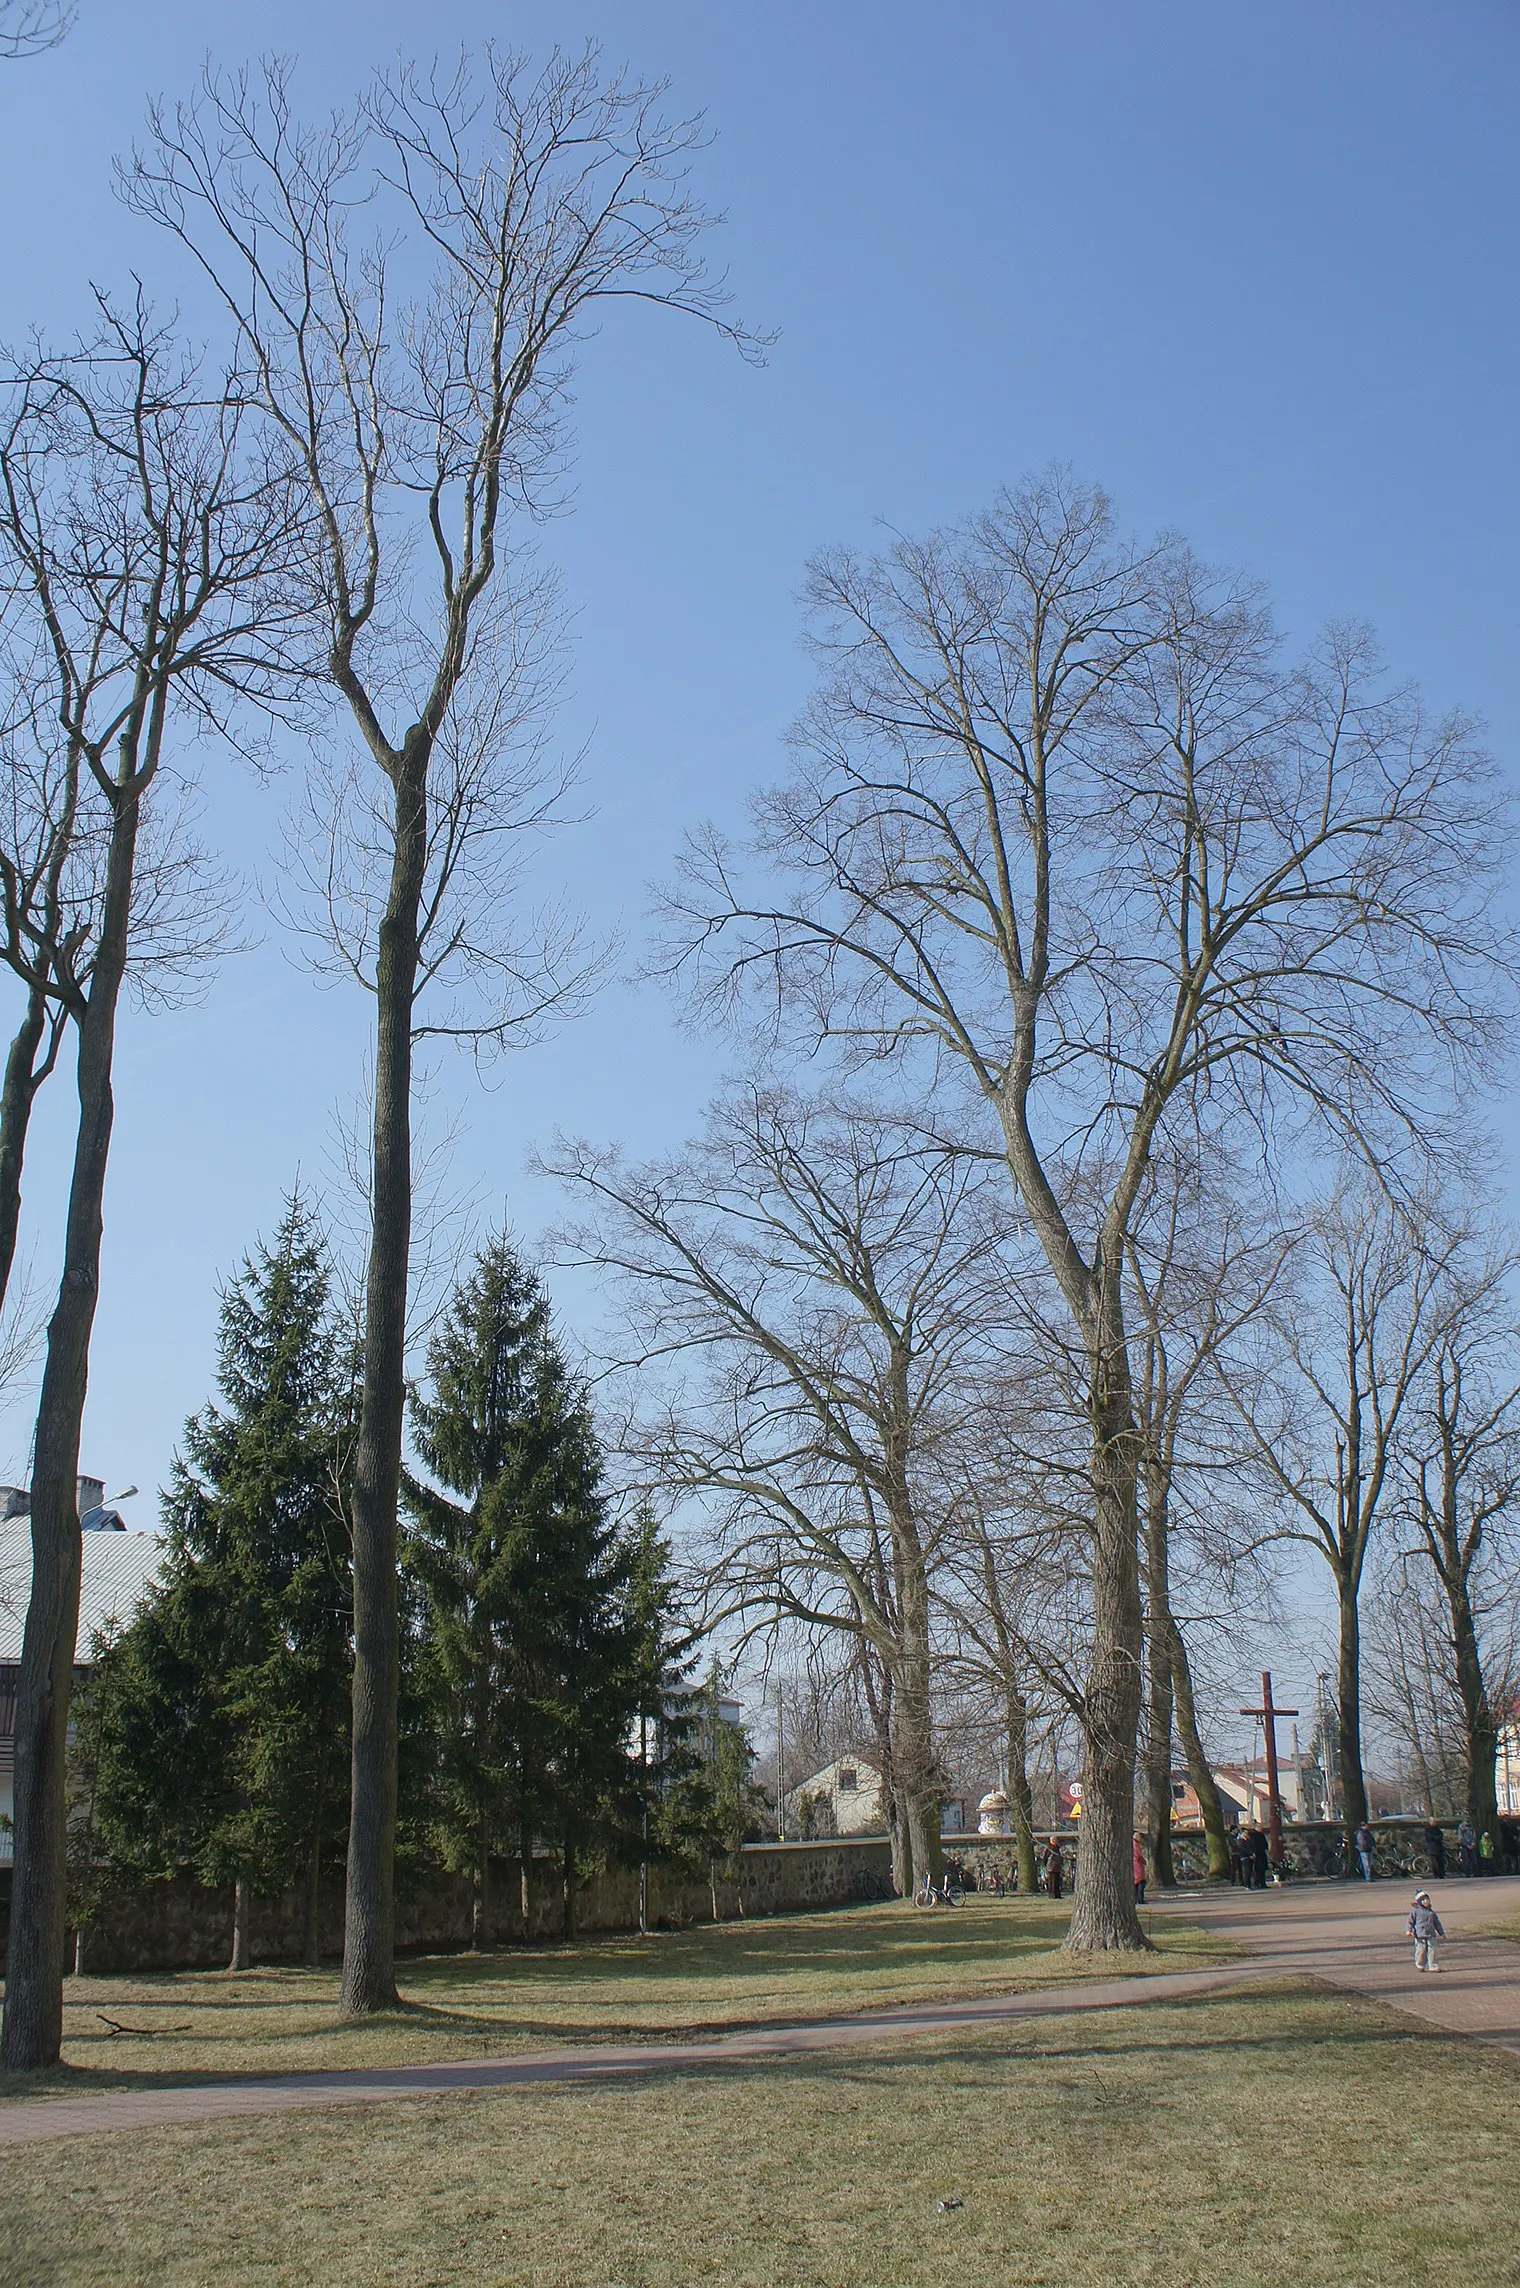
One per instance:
(1139, 1874)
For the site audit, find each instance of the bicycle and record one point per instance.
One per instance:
(946, 1894)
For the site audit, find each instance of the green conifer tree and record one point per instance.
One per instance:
(694, 1801)
(525, 1633)
(213, 1734)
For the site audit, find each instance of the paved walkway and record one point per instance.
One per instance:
(1348, 1935)
(1351, 1935)
(25, 2120)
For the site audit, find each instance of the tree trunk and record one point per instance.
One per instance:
(1104, 1918)
(33, 2026)
(525, 1861)
(311, 1947)
(240, 1905)
(369, 1933)
(569, 1872)
(897, 1834)
(1158, 1731)
(22, 1081)
(1353, 1785)
(480, 1921)
(311, 1950)
(1158, 1767)
(913, 1761)
(1478, 1722)
(1216, 1835)
(913, 1742)
(1020, 1793)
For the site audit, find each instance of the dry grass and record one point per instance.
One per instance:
(706, 1980)
(1281, 2139)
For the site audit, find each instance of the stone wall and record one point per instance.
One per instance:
(1314, 1847)
(182, 1925)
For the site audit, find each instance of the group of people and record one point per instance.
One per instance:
(1477, 1853)
(1249, 1856)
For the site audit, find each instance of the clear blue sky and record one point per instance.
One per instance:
(1254, 268)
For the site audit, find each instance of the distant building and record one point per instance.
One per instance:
(119, 1568)
(1507, 1765)
(842, 1799)
(845, 1798)
(1245, 1787)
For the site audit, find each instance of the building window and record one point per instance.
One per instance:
(847, 1779)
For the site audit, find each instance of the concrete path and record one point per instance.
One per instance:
(1347, 1935)
(1351, 1935)
(25, 2120)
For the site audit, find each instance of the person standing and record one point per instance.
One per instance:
(1258, 1858)
(1238, 1874)
(1052, 1865)
(1366, 1844)
(1435, 1849)
(1139, 1872)
(1467, 1843)
(1424, 1926)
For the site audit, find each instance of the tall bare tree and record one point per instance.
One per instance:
(138, 536)
(1066, 828)
(1201, 1267)
(409, 280)
(826, 1277)
(1464, 1473)
(54, 851)
(1002, 1588)
(1353, 1348)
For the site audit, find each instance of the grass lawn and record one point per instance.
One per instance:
(1280, 2138)
(614, 1989)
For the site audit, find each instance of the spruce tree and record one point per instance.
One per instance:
(694, 1801)
(526, 1640)
(214, 1731)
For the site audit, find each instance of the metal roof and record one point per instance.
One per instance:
(118, 1568)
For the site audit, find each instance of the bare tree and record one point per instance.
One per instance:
(39, 933)
(1353, 1348)
(1409, 1686)
(1065, 827)
(1463, 1468)
(138, 536)
(409, 280)
(54, 862)
(1201, 1268)
(822, 1271)
(1003, 1587)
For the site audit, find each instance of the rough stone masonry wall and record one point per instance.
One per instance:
(182, 1925)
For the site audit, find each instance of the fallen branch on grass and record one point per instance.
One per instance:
(118, 2028)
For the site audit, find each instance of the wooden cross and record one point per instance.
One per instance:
(1267, 1716)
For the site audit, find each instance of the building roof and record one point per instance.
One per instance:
(118, 1569)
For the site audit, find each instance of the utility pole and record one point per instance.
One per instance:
(644, 1807)
(1267, 1715)
(780, 1781)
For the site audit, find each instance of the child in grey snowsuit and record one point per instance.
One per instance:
(1424, 1927)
